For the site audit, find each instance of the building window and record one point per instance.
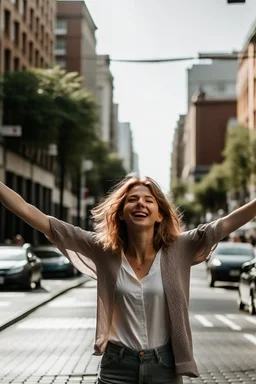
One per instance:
(37, 59)
(7, 22)
(31, 19)
(24, 42)
(7, 60)
(61, 27)
(60, 47)
(61, 63)
(30, 52)
(16, 64)
(16, 27)
(25, 9)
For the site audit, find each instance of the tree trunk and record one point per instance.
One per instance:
(62, 186)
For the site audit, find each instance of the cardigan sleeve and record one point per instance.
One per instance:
(77, 245)
(203, 240)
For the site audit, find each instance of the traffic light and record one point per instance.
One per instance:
(235, 1)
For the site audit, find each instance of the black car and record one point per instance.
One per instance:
(226, 261)
(19, 266)
(247, 287)
(54, 263)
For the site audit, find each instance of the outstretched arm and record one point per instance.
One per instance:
(238, 218)
(27, 212)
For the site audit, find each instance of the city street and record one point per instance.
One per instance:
(55, 343)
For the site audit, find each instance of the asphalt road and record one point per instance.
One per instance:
(55, 343)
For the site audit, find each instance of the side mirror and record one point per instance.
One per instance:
(246, 267)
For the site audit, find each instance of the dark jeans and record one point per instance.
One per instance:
(126, 366)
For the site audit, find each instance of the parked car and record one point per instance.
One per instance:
(19, 266)
(247, 287)
(227, 260)
(54, 263)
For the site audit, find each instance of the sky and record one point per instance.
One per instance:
(152, 96)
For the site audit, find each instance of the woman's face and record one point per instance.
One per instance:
(140, 208)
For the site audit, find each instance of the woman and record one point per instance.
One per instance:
(142, 262)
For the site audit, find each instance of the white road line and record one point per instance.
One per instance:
(228, 322)
(251, 319)
(204, 321)
(72, 304)
(13, 294)
(251, 338)
(58, 323)
(5, 303)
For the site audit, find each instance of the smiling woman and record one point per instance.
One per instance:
(142, 261)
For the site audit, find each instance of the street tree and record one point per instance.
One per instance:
(238, 161)
(24, 105)
(77, 118)
(211, 191)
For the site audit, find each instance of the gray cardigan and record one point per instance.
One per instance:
(191, 247)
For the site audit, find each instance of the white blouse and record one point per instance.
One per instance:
(140, 319)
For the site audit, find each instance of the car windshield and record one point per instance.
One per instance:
(47, 254)
(12, 253)
(232, 251)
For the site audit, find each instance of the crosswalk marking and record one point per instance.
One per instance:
(250, 337)
(251, 319)
(228, 322)
(204, 321)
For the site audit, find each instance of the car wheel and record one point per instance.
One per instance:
(210, 279)
(240, 304)
(252, 309)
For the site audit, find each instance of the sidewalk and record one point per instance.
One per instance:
(15, 305)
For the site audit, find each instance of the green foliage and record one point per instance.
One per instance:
(107, 169)
(191, 211)
(25, 106)
(179, 189)
(211, 191)
(238, 160)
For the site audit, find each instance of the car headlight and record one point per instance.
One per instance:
(216, 262)
(63, 260)
(13, 271)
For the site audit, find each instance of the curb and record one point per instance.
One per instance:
(24, 313)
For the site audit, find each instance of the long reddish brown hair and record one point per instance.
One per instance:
(112, 232)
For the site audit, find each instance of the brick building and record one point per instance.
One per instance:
(76, 42)
(204, 134)
(27, 34)
(246, 82)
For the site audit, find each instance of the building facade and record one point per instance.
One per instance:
(125, 145)
(105, 99)
(75, 48)
(246, 83)
(27, 34)
(204, 134)
(177, 158)
(217, 79)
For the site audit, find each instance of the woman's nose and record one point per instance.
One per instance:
(141, 202)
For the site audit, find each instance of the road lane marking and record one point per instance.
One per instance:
(5, 303)
(251, 338)
(58, 323)
(251, 319)
(13, 294)
(72, 304)
(204, 321)
(228, 322)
